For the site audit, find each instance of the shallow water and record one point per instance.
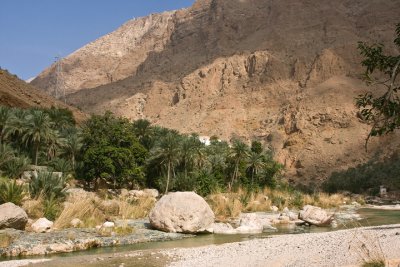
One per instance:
(370, 217)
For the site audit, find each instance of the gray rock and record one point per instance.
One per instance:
(181, 212)
(151, 193)
(250, 223)
(223, 228)
(42, 225)
(108, 225)
(12, 216)
(315, 216)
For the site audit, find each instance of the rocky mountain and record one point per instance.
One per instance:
(14, 92)
(284, 72)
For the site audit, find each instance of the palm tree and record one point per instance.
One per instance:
(37, 130)
(61, 118)
(166, 153)
(72, 145)
(54, 143)
(239, 153)
(144, 132)
(16, 124)
(255, 163)
(6, 154)
(5, 118)
(187, 152)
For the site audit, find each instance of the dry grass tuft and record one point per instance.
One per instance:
(34, 208)
(85, 209)
(225, 205)
(230, 205)
(368, 247)
(93, 211)
(324, 200)
(140, 208)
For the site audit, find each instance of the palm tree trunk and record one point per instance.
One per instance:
(36, 153)
(73, 161)
(168, 176)
(252, 177)
(234, 175)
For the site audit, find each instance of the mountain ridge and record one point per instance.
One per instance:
(282, 72)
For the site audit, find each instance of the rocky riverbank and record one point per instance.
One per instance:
(19, 243)
(339, 248)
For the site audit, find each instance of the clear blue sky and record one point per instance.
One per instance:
(33, 32)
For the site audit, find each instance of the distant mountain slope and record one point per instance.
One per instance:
(283, 72)
(16, 93)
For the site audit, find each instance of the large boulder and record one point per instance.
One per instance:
(182, 212)
(42, 225)
(12, 216)
(315, 216)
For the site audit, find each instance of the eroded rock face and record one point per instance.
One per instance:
(181, 212)
(12, 216)
(294, 91)
(42, 225)
(315, 216)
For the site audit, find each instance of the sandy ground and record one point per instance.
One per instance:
(339, 248)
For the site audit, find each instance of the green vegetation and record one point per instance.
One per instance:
(382, 111)
(367, 176)
(374, 263)
(10, 191)
(111, 150)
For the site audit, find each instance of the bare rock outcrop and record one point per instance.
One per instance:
(12, 216)
(181, 212)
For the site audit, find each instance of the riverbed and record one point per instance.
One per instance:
(164, 253)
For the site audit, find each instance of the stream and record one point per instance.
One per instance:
(368, 217)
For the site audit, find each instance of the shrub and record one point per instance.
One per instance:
(15, 167)
(51, 207)
(10, 191)
(374, 263)
(61, 165)
(47, 184)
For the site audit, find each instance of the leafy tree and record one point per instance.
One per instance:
(111, 151)
(383, 111)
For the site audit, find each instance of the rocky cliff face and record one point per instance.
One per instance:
(284, 72)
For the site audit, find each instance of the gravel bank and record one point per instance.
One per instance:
(340, 248)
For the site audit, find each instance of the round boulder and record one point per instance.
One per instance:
(315, 216)
(42, 225)
(182, 212)
(12, 216)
